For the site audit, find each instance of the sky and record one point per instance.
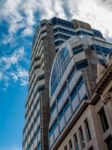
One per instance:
(18, 22)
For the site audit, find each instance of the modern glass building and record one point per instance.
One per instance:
(49, 35)
(73, 79)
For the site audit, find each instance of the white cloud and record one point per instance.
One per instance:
(92, 11)
(13, 59)
(27, 31)
(11, 69)
(20, 14)
(14, 76)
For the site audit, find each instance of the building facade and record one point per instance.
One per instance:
(76, 119)
(49, 35)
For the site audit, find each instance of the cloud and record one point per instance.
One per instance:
(27, 31)
(13, 59)
(11, 68)
(21, 16)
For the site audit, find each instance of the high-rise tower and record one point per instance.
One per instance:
(50, 34)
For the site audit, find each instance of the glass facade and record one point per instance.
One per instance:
(67, 86)
(61, 62)
(70, 96)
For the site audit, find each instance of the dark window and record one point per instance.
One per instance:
(102, 61)
(58, 43)
(61, 36)
(91, 148)
(41, 88)
(103, 119)
(41, 77)
(109, 143)
(70, 145)
(88, 135)
(78, 51)
(76, 142)
(81, 138)
(81, 64)
(65, 148)
(97, 33)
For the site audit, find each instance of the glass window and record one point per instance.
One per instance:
(81, 138)
(61, 62)
(71, 74)
(62, 92)
(76, 142)
(87, 130)
(81, 64)
(41, 77)
(39, 147)
(70, 145)
(109, 143)
(65, 148)
(91, 148)
(97, 33)
(103, 119)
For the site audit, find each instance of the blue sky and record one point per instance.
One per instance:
(18, 21)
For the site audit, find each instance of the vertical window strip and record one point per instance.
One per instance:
(76, 142)
(87, 130)
(81, 138)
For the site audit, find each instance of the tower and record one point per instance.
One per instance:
(49, 35)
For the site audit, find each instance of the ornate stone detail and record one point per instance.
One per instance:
(107, 97)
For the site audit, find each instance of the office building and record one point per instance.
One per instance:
(79, 120)
(49, 35)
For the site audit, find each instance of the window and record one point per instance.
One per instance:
(109, 143)
(103, 119)
(71, 74)
(76, 142)
(65, 148)
(88, 135)
(81, 138)
(97, 33)
(81, 64)
(91, 148)
(67, 31)
(61, 36)
(62, 91)
(64, 109)
(41, 77)
(76, 88)
(78, 49)
(70, 145)
(58, 43)
(59, 66)
(39, 146)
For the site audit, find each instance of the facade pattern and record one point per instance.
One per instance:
(48, 38)
(72, 81)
